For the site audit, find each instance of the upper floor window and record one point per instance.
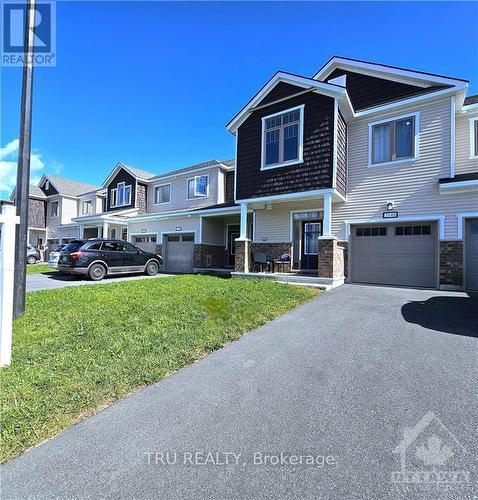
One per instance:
(198, 186)
(120, 195)
(54, 209)
(393, 140)
(282, 138)
(162, 194)
(86, 207)
(474, 137)
(47, 185)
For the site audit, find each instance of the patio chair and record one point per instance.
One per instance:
(259, 260)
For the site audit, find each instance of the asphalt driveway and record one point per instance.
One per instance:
(49, 281)
(339, 380)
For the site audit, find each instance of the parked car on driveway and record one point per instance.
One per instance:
(54, 257)
(97, 258)
(32, 254)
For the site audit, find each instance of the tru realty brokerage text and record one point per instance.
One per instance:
(226, 458)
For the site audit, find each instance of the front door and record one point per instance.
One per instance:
(310, 244)
(233, 232)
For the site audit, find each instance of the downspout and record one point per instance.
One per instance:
(452, 135)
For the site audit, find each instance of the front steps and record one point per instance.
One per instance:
(294, 279)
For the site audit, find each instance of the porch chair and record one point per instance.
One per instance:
(259, 259)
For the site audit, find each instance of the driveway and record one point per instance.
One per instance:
(341, 377)
(48, 281)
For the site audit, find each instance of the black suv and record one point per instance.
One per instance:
(97, 258)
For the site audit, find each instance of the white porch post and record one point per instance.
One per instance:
(243, 235)
(105, 229)
(327, 229)
(8, 221)
(80, 232)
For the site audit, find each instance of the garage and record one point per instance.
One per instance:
(146, 242)
(471, 254)
(402, 254)
(178, 252)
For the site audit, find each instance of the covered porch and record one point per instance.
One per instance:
(293, 234)
(102, 226)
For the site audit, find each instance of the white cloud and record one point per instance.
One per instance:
(8, 167)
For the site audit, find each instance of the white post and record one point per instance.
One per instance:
(105, 229)
(327, 229)
(243, 235)
(8, 221)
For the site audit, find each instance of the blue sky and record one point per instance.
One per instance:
(153, 84)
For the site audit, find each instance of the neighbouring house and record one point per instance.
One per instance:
(363, 172)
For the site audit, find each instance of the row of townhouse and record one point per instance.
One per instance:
(364, 172)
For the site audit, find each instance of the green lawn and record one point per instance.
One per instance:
(79, 348)
(39, 268)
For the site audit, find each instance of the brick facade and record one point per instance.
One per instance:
(242, 258)
(331, 259)
(451, 263)
(141, 201)
(345, 246)
(36, 213)
(217, 253)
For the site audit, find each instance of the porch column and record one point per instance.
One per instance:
(243, 235)
(243, 244)
(105, 229)
(327, 223)
(331, 254)
(81, 232)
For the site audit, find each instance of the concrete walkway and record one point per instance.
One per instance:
(48, 281)
(341, 377)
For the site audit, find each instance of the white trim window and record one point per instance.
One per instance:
(283, 138)
(198, 187)
(86, 207)
(54, 209)
(474, 138)
(162, 194)
(393, 141)
(121, 195)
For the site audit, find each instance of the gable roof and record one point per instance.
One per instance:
(137, 173)
(68, 187)
(396, 73)
(471, 99)
(198, 166)
(303, 82)
(34, 191)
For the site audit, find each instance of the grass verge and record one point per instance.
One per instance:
(39, 268)
(79, 348)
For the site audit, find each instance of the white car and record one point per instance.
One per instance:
(54, 258)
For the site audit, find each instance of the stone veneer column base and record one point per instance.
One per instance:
(330, 259)
(451, 265)
(242, 257)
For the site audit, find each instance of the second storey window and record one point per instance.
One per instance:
(393, 140)
(282, 138)
(121, 195)
(162, 194)
(198, 186)
(86, 207)
(473, 138)
(54, 209)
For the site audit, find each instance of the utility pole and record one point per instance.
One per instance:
(23, 173)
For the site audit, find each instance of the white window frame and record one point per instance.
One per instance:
(82, 207)
(114, 195)
(47, 185)
(113, 231)
(300, 159)
(389, 119)
(156, 188)
(196, 194)
(57, 208)
(473, 145)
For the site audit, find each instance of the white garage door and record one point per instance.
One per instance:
(471, 254)
(394, 254)
(146, 242)
(178, 252)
